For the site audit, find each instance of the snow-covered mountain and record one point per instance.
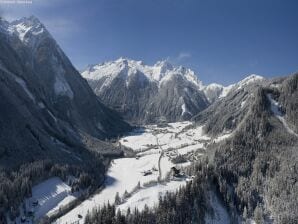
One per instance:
(260, 118)
(45, 103)
(147, 94)
(224, 114)
(216, 91)
(161, 72)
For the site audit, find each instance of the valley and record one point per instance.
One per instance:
(137, 180)
(142, 179)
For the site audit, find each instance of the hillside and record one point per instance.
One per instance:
(50, 121)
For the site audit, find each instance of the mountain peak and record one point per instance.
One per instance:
(250, 79)
(147, 92)
(164, 65)
(28, 27)
(253, 77)
(122, 60)
(31, 20)
(161, 71)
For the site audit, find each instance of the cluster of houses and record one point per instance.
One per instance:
(175, 172)
(149, 172)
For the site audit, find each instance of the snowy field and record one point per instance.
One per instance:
(149, 196)
(175, 135)
(47, 198)
(155, 147)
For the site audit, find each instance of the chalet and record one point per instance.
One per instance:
(154, 169)
(146, 173)
(35, 203)
(176, 172)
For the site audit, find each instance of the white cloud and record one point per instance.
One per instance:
(183, 56)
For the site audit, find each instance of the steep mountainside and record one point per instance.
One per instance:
(232, 105)
(51, 122)
(257, 164)
(44, 99)
(147, 94)
(216, 91)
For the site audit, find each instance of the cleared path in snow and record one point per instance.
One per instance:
(159, 159)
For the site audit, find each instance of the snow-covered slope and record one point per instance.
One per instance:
(233, 103)
(251, 79)
(161, 72)
(213, 91)
(56, 82)
(48, 111)
(47, 198)
(216, 91)
(29, 30)
(147, 94)
(47, 108)
(276, 110)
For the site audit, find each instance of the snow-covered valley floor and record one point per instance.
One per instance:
(136, 179)
(140, 180)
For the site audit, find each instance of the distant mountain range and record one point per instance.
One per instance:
(150, 94)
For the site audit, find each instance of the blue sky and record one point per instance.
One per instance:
(223, 41)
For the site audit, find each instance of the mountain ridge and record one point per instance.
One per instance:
(134, 79)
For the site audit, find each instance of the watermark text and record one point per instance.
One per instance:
(11, 2)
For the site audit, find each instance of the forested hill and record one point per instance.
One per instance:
(257, 166)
